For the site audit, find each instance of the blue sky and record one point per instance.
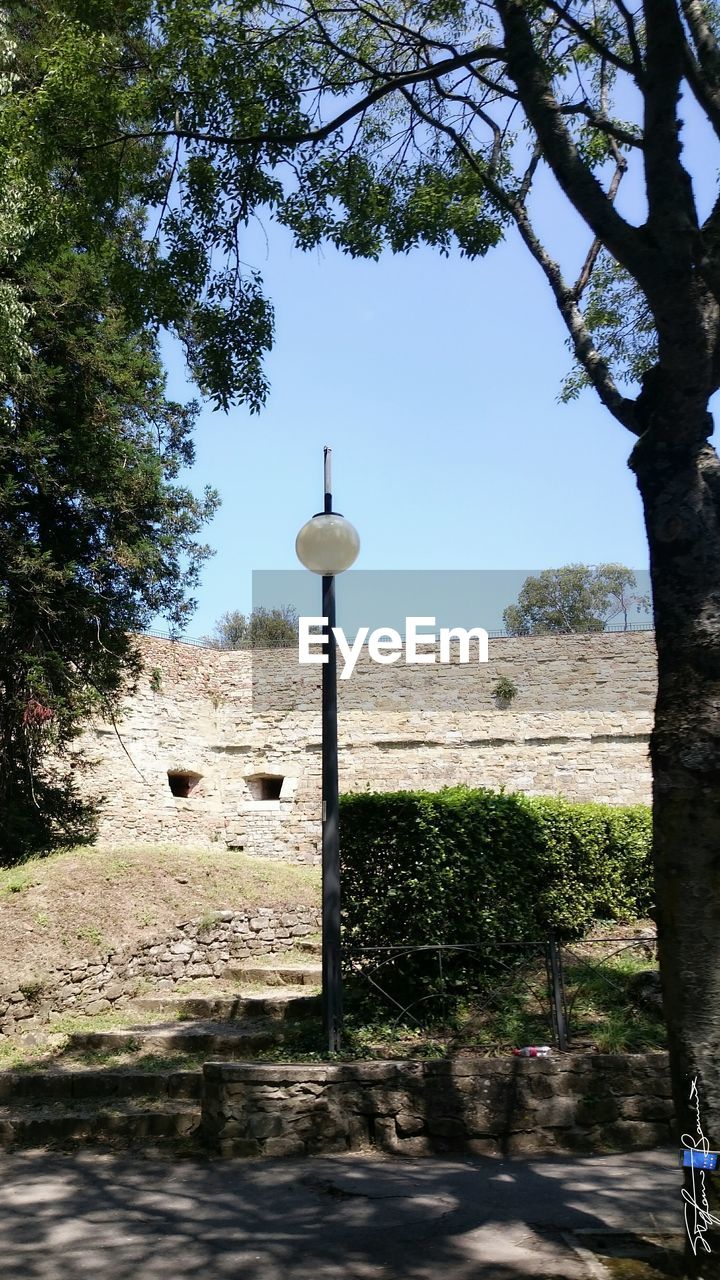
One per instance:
(435, 380)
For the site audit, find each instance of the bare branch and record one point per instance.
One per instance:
(707, 97)
(588, 266)
(629, 21)
(601, 122)
(576, 179)
(168, 188)
(529, 174)
(594, 364)
(589, 37)
(477, 110)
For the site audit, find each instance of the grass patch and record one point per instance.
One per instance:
(606, 1013)
(80, 903)
(44, 1058)
(16, 880)
(90, 933)
(32, 989)
(68, 1024)
(602, 1008)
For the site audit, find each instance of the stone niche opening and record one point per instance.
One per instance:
(183, 782)
(265, 786)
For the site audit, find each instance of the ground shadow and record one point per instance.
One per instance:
(64, 1218)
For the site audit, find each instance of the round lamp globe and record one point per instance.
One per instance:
(327, 544)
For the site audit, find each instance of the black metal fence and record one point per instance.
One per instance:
(532, 992)
(610, 987)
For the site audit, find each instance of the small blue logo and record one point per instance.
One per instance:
(700, 1159)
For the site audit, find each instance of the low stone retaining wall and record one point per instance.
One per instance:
(573, 1102)
(196, 949)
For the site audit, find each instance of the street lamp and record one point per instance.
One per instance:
(328, 544)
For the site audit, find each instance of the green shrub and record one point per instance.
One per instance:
(476, 869)
(480, 867)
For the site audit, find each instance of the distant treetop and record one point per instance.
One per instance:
(260, 629)
(577, 597)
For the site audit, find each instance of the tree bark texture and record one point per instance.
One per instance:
(678, 474)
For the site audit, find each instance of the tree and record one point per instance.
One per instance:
(433, 122)
(577, 597)
(370, 125)
(96, 535)
(261, 629)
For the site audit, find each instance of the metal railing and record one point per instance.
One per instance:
(607, 973)
(206, 642)
(534, 991)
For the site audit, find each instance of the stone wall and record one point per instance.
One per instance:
(196, 949)
(503, 1106)
(232, 722)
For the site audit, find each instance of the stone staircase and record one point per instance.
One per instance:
(156, 1109)
(115, 1109)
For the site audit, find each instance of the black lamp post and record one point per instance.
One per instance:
(327, 545)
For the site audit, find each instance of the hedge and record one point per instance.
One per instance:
(476, 867)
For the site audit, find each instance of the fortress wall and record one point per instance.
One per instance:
(578, 727)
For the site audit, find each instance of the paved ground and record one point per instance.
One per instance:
(349, 1217)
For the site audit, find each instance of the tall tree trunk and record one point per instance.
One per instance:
(679, 480)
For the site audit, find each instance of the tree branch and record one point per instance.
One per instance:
(629, 21)
(600, 121)
(593, 363)
(486, 53)
(671, 203)
(703, 38)
(576, 179)
(589, 38)
(708, 98)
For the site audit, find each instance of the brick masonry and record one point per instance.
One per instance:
(578, 726)
(501, 1106)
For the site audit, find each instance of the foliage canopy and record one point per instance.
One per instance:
(578, 597)
(486, 869)
(97, 534)
(261, 629)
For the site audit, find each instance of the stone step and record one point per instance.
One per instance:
(83, 1085)
(119, 1124)
(230, 1039)
(274, 1006)
(309, 975)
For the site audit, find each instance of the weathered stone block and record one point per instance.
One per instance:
(98, 1006)
(264, 1125)
(284, 1147)
(548, 1113)
(114, 990)
(591, 1110)
(482, 1146)
(534, 1142)
(234, 1129)
(408, 1125)
(384, 1133)
(241, 1147)
(446, 1126)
